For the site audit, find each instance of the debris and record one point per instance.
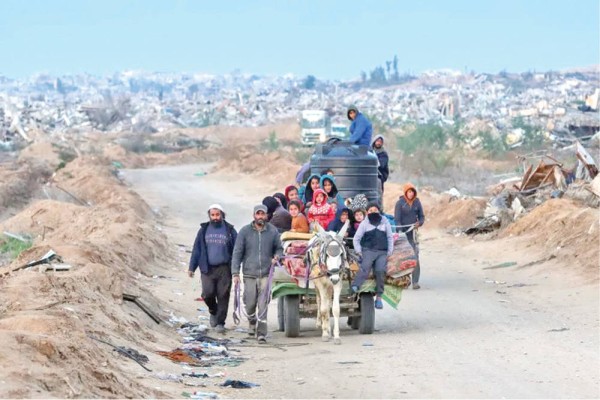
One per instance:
(54, 267)
(368, 344)
(200, 395)
(142, 306)
(236, 384)
(558, 329)
(45, 259)
(127, 352)
(203, 375)
(349, 362)
(587, 160)
(17, 237)
(502, 265)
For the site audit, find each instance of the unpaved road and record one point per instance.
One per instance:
(527, 332)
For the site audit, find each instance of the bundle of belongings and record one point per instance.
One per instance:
(295, 245)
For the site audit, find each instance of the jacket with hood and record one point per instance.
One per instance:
(361, 129)
(321, 212)
(308, 192)
(199, 258)
(408, 212)
(334, 195)
(383, 158)
(254, 250)
(337, 224)
(366, 228)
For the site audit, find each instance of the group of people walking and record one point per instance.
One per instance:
(222, 254)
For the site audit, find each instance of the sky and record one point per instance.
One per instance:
(329, 39)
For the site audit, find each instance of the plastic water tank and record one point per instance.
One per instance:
(354, 168)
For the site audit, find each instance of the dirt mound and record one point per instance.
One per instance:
(285, 131)
(42, 151)
(441, 211)
(565, 230)
(274, 167)
(18, 183)
(109, 239)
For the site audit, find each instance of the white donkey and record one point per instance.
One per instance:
(329, 263)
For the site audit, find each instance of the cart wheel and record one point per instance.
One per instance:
(367, 314)
(291, 315)
(280, 318)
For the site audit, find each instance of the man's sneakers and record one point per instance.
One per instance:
(252, 330)
(416, 286)
(220, 328)
(262, 340)
(378, 303)
(213, 320)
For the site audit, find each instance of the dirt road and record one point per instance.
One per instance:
(469, 332)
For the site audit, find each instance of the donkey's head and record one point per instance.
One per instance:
(332, 252)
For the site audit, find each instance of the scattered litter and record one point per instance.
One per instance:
(236, 384)
(136, 300)
(558, 330)
(200, 395)
(201, 173)
(127, 352)
(504, 301)
(495, 282)
(503, 265)
(163, 376)
(499, 292)
(203, 375)
(518, 285)
(349, 362)
(367, 344)
(54, 267)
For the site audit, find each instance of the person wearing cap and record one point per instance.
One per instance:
(212, 253)
(374, 241)
(361, 128)
(257, 248)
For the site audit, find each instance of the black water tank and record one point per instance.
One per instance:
(354, 168)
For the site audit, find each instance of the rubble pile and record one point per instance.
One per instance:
(563, 104)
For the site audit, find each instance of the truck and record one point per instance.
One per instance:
(339, 131)
(316, 127)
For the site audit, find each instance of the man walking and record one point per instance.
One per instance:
(383, 158)
(213, 249)
(375, 242)
(408, 214)
(361, 128)
(257, 247)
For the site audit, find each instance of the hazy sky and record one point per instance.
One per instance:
(329, 39)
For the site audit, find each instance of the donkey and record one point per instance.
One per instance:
(329, 264)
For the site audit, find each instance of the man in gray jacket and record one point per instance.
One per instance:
(373, 240)
(257, 247)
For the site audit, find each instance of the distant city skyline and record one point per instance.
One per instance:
(331, 40)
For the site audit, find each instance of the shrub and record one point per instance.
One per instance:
(13, 247)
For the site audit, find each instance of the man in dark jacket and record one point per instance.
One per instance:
(374, 241)
(408, 214)
(213, 249)
(361, 128)
(256, 249)
(383, 158)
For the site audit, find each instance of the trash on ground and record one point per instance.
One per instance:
(236, 384)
